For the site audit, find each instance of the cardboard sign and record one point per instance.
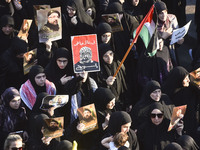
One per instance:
(178, 113)
(23, 33)
(87, 115)
(85, 53)
(53, 127)
(49, 24)
(114, 21)
(30, 59)
(55, 101)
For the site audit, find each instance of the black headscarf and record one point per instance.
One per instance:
(64, 145)
(54, 73)
(107, 70)
(187, 143)
(117, 119)
(35, 70)
(140, 111)
(160, 6)
(173, 146)
(101, 29)
(6, 20)
(102, 96)
(18, 46)
(174, 81)
(36, 108)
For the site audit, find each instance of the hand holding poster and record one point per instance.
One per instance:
(114, 21)
(49, 24)
(53, 127)
(180, 33)
(88, 118)
(55, 101)
(85, 53)
(30, 59)
(178, 113)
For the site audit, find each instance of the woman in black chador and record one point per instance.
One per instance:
(75, 21)
(120, 121)
(153, 134)
(152, 94)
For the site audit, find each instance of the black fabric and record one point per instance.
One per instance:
(102, 96)
(35, 70)
(103, 48)
(174, 81)
(187, 143)
(117, 119)
(64, 145)
(101, 29)
(6, 20)
(11, 120)
(160, 6)
(140, 111)
(84, 23)
(54, 73)
(11, 67)
(173, 146)
(155, 137)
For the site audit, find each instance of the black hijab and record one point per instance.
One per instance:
(35, 70)
(54, 73)
(64, 145)
(187, 143)
(101, 29)
(174, 81)
(117, 119)
(102, 96)
(173, 146)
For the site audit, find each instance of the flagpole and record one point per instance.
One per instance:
(134, 40)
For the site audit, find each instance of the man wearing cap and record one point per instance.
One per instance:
(52, 22)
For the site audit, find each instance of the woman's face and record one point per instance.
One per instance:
(40, 79)
(156, 95)
(126, 127)
(15, 102)
(16, 145)
(163, 15)
(111, 104)
(7, 30)
(62, 62)
(105, 38)
(71, 11)
(186, 81)
(108, 57)
(135, 2)
(156, 116)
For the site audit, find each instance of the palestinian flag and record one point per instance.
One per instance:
(148, 32)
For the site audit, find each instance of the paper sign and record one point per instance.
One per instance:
(49, 24)
(23, 33)
(180, 33)
(178, 113)
(30, 59)
(87, 115)
(85, 53)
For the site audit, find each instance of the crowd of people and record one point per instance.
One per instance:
(133, 108)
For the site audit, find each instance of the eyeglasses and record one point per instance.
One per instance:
(17, 148)
(158, 115)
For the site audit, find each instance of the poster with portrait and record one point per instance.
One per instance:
(53, 127)
(38, 7)
(85, 53)
(114, 21)
(195, 77)
(49, 24)
(87, 116)
(178, 113)
(55, 101)
(23, 33)
(30, 59)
